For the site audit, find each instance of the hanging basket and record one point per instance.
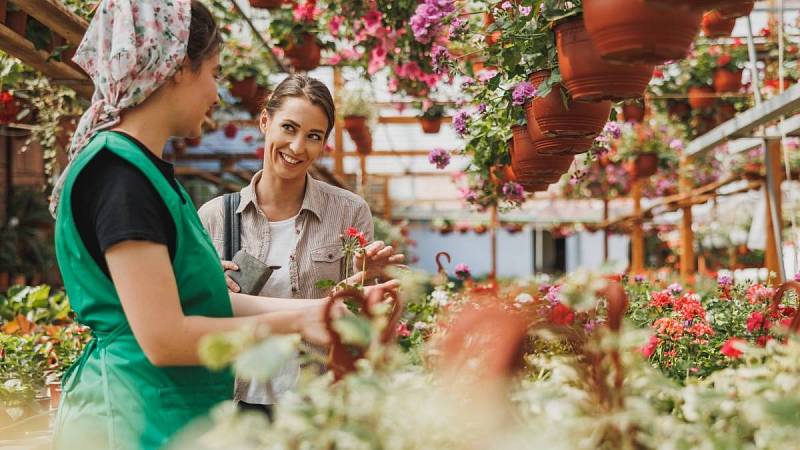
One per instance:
(636, 31)
(741, 9)
(727, 80)
(356, 127)
(532, 167)
(701, 97)
(430, 125)
(305, 56)
(716, 26)
(587, 76)
(244, 89)
(645, 165)
(575, 119)
(554, 145)
(266, 4)
(633, 112)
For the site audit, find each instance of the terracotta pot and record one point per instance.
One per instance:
(17, 21)
(554, 145)
(18, 280)
(727, 81)
(725, 112)
(645, 165)
(491, 38)
(363, 141)
(633, 112)
(742, 8)
(4, 280)
(587, 76)
(716, 26)
(255, 103)
(244, 89)
(775, 83)
(356, 127)
(430, 125)
(679, 109)
(193, 141)
(266, 4)
(576, 119)
(701, 97)
(636, 31)
(532, 167)
(305, 56)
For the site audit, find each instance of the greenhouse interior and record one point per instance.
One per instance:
(406, 224)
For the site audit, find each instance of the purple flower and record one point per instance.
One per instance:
(675, 288)
(486, 75)
(514, 192)
(506, 5)
(522, 92)
(460, 122)
(462, 271)
(457, 27)
(612, 129)
(676, 144)
(439, 157)
(727, 281)
(439, 58)
(590, 325)
(428, 17)
(481, 108)
(553, 295)
(467, 82)
(639, 278)
(797, 276)
(468, 195)
(525, 10)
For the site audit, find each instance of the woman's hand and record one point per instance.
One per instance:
(378, 257)
(232, 286)
(312, 326)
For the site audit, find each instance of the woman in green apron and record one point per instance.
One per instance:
(137, 265)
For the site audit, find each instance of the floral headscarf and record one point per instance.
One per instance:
(130, 48)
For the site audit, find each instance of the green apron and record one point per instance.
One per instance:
(113, 397)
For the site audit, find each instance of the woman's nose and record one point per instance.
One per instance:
(297, 144)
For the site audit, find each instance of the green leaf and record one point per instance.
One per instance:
(324, 284)
(37, 297)
(264, 360)
(354, 330)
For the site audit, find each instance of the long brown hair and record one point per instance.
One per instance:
(306, 87)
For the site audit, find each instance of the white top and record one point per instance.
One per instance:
(283, 241)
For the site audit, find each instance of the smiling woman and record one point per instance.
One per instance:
(290, 220)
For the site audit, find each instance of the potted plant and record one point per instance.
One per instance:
(729, 63)
(299, 38)
(585, 74)
(715, 25)
(241, 66)
(646, 147)
(633, 111)
(431, 118)
(637, 31)
(700, 67)
(556, 116)
(358, 109)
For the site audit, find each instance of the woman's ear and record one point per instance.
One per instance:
(263, 121)
(180, 74)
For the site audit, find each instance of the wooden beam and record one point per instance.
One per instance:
(637, 234)
(773, 254)
(338, 136)
(380, 153)
(687, 234)
(58, 72)
(57, 17)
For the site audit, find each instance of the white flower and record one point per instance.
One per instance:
(420, 325)
(440, 297)
(524, 298)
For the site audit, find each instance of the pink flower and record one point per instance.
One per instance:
(756, 321)
(305, 12)
(650, 348)
(372, 21)
(334, 24)
(561, 315)
(486, 75)
(410, 70)
(506, 5)
(462, 271)
(729, 348)
(334, 59)
(402, 330)
(377, 60)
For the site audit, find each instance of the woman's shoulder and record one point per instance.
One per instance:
(338, 196)
(211, 213)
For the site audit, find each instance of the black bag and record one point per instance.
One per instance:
(252, 274)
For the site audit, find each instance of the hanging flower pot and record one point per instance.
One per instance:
(725, 112)
(633, 112)
(480, 229)
(266, 4)
(244, 89)
(17, 21)
(636, 31)
(716, 26)
(531, 166)
(306, 55)
(576, 119)
(740, 9)
(430, 125)
(554, 145)
(356, 127)
(701, 97)
(587, 76)
(727, 80)
(645, 165)
(491, 38)
(364, 143)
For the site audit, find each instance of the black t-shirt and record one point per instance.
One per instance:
(113, 201)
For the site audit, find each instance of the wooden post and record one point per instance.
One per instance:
(605, 230)
(387, 200)
(338, 137)
(637, 234)
(773, 254)
(493, 235)
(363, 159)
(687, 234)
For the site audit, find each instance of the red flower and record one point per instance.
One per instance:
(756, 321)
(402, 330)
(723, 60)
(650, 347)
(762, 340)
(729, 348)
(658, 73)
(249, 138)
(660, 299)
(354, 233)
(671, 327)
(561, 315)
(700, 329)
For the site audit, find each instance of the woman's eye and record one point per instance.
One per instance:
(316, 137)
(288, 127)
